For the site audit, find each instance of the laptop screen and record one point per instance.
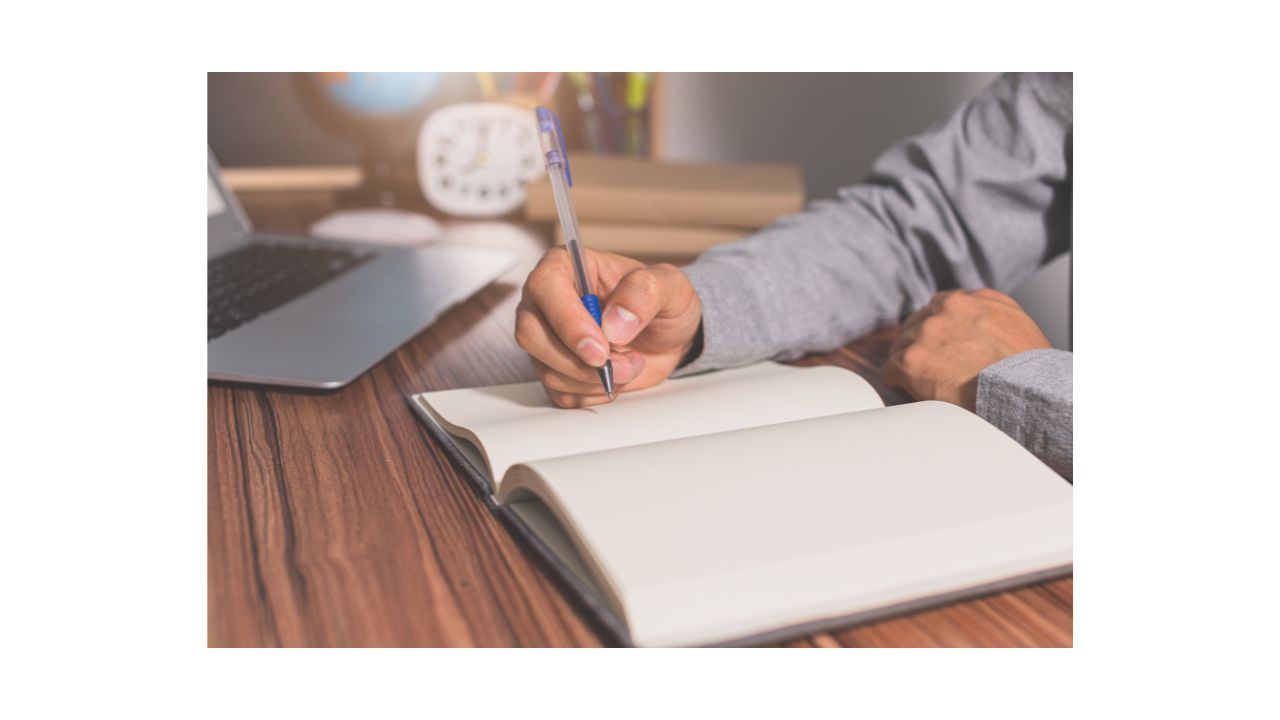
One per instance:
(228, 228)
(216, 206)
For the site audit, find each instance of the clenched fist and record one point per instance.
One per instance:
(651, 315)
(944, 345)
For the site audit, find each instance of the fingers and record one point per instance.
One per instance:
(902, 371)
(550, 289)
(626, 368)
(954, 303)
(892, 374)
(570, 393)
(535, 336)
(640, 296)
(566, 344)
(910, 331)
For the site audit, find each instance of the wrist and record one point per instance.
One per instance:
(692, 349)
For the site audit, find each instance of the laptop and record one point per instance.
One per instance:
(311, 313)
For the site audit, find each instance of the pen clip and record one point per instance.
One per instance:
(564, 152)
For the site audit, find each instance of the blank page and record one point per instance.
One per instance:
(709, 539)
(518, 423)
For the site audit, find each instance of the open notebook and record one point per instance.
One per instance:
(752, 504)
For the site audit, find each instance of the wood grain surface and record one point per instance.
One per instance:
(335, 520)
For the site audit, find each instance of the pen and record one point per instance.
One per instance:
(553, 148)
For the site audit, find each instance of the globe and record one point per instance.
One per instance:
(380, 93)
(380, 112)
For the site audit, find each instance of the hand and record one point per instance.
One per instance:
(944, 345)
(651, 315)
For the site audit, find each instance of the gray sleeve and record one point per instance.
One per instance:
(1028, 396)
(979, 200)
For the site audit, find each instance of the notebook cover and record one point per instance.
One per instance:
(614, 632)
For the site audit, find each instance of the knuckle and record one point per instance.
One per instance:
(914, 357)
(644, 282)
(554, 256)
(551, 261)
(538, 276)
(526, 329)
(932, 325)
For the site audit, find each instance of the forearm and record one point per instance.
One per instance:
(810, 282)
(1029, 397)
(979, 200)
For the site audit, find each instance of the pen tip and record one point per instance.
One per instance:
(606, 379)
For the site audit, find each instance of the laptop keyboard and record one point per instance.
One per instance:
(261, 277)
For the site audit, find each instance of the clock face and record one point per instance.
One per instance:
(475, 159)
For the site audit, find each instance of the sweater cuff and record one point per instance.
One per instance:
(727, 309)
(1028, 396)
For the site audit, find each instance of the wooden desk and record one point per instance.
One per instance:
(335, 520)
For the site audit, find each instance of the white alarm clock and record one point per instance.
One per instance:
(475, 159)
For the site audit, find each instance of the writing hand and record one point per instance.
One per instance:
(651, 314)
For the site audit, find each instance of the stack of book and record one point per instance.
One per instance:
(669, 212)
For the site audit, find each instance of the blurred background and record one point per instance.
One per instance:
(298, 146)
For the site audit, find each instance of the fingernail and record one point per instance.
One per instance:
(623, 371)
(592, 352)
(620, 324)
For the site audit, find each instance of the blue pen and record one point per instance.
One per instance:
(552, 139)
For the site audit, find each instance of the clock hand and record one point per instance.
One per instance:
(477, 159)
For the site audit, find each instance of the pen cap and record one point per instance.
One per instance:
(551, 138)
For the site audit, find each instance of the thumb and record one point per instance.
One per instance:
(642, 295)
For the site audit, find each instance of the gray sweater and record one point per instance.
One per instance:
(981, 199)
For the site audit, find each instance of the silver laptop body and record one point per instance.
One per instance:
(328, 336)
